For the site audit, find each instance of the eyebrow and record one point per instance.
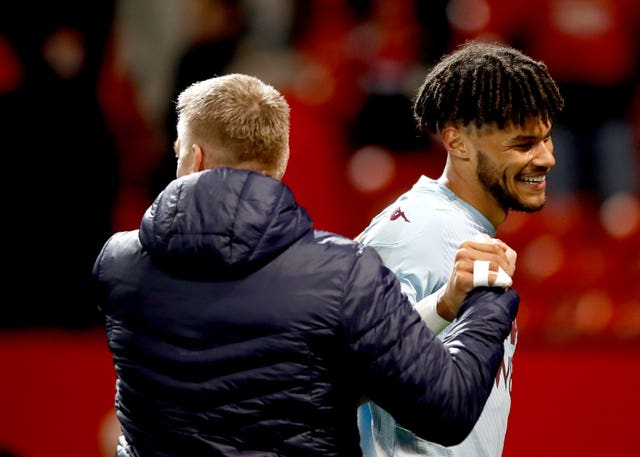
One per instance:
(530, 137)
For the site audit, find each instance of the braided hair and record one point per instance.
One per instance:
(486, 83)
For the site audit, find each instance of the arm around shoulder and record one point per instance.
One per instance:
(435, 389)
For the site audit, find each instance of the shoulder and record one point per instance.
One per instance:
(119, 245)
(333, 239)
(123, 241)
(362, 263)
(418, 216)
(339, 246)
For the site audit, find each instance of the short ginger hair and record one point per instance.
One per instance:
(246, 119)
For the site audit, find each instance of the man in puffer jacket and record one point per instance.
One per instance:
(236, 329)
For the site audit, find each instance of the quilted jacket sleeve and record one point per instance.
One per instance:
(435, 389)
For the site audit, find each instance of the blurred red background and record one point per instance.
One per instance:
(577, 366)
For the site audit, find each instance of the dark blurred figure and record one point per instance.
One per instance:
(7, 453)
(218, 27)
(396, 39)
(60, 159)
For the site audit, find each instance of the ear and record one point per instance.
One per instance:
(198, 158)
(454, 143)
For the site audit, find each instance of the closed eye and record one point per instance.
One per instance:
(524, 146)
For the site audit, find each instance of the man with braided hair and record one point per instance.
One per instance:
(492, 107)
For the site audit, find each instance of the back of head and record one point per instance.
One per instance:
(486, 83)
(243, 121)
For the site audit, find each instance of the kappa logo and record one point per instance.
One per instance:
(398, 213)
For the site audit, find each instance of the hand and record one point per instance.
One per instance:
(460, 283)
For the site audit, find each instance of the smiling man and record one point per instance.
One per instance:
(492, 107)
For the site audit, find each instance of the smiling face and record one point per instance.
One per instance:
(496, 170)
(512, 164)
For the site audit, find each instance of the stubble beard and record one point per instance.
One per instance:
(494, 182)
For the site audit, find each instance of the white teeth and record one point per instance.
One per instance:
(535, 179)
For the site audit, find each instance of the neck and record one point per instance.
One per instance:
(471, 191)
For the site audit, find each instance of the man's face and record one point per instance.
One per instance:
(512, 163)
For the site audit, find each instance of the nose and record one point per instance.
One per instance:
(543, 155)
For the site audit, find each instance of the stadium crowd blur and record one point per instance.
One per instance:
(86, 103)
(86, 98)
(87, 117)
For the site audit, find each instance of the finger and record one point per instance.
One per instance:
(484, 251)
(483, 276)
(482, 247)
(500, 278)
(466, 258)
(511, 254)
(480, 273)
(495, 252)
(477, 244)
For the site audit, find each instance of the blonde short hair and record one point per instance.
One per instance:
(243, 118)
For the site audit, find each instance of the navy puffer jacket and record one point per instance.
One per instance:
(238, 330)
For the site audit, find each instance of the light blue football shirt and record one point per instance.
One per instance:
(417, 237)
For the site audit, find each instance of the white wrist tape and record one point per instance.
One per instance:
(428, 310)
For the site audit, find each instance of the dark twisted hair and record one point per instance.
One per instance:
(486, 83)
